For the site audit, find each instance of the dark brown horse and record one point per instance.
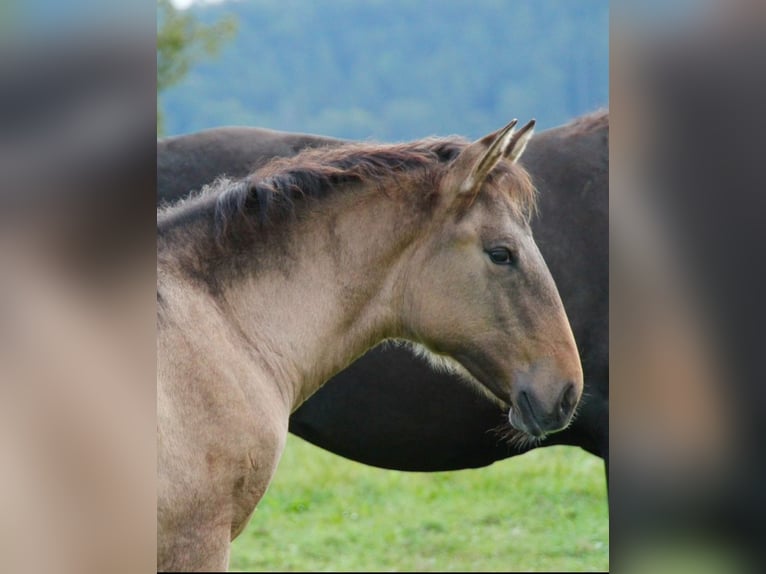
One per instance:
(270, 285)
(186, 163)
(393, 421)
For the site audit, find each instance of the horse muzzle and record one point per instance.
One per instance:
(531, 415)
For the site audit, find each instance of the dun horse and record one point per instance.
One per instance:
(268, 286)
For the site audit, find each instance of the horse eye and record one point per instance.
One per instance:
(501, 256)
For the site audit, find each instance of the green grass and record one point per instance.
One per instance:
(544, 511)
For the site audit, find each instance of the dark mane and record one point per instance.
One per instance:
(270, 194)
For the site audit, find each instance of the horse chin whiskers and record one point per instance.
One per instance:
(516, 438)
(524, 441)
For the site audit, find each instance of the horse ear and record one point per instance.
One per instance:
(519, 141)
(504, 143)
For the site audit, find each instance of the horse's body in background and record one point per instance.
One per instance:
(404, 414)
(186, 163)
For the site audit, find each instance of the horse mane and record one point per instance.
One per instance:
(272, 193)
(243, 209)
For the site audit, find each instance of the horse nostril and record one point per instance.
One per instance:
(532, 424)
(567, 401)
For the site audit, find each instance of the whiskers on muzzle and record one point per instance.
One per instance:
(516, 439)
(520, 440)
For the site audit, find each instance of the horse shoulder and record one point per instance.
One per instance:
(221, 429)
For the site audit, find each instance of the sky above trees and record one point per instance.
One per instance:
(396, 69)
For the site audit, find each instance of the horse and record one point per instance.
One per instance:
(391, 420)
(269, 285)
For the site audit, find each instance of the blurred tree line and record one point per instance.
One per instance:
(182, 41)
(395, 69)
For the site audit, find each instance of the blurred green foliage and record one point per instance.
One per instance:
(397, 69)
(182, 41)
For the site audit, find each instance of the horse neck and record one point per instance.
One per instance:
(330, 295)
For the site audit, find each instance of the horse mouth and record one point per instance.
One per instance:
(520, 414)
(521, 418)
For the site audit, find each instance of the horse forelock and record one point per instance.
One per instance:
(513, 181)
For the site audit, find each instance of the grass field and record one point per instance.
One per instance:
(544, 511)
